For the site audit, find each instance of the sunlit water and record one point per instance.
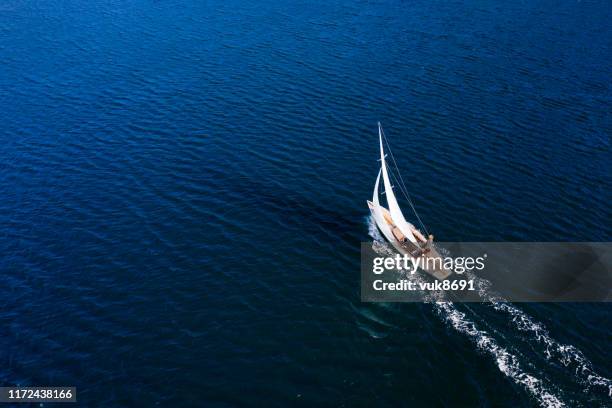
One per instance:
(184, 184)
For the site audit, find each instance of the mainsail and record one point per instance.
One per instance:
(379, 218)
(396, 213)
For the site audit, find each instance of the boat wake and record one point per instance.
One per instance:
(567, 355)
(507, 362)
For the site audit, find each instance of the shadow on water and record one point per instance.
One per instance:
(298, 209)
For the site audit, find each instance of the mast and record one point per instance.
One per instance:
(396, 213)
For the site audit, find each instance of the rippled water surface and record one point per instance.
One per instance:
(183, 190)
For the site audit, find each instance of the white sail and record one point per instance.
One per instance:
(377, 212)
(375, 195)
(396, 213)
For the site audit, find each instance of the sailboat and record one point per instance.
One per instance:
(404, 236)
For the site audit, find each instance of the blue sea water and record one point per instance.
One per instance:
(183, 190)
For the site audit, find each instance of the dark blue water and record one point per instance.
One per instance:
(183, 190)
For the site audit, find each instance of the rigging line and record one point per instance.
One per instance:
(401, 183)
(421, 222)
(404, 189)
(405, 192)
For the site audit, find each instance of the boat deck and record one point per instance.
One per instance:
(421, 248)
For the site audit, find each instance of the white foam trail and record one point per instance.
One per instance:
(373, 230)
(507, 363)
(568, 355)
